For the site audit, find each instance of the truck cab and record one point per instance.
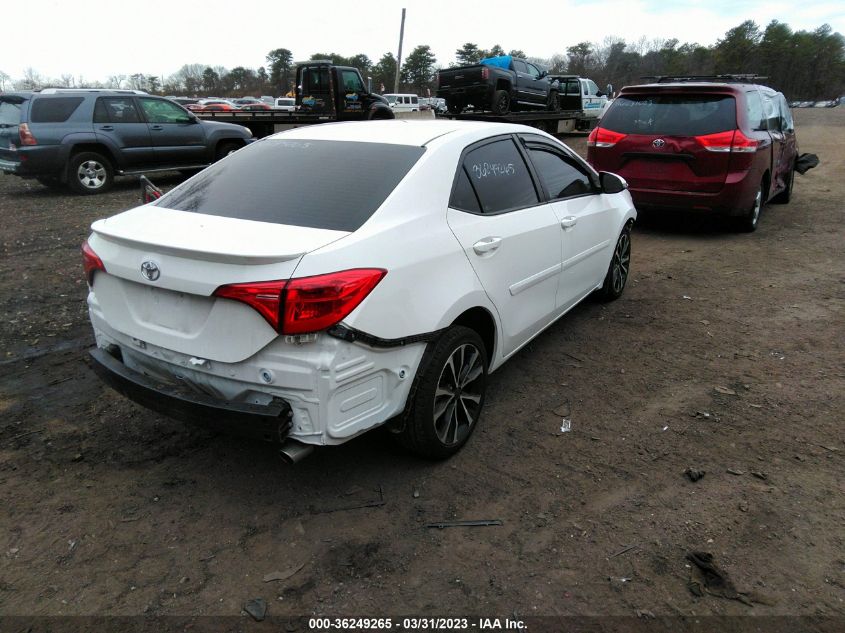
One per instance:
(337, 92)
(580, 93)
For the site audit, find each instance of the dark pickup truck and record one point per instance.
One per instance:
(499, 84)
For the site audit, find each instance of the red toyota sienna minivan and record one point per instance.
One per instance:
(722, 145)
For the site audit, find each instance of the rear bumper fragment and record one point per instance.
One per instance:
(270, 422)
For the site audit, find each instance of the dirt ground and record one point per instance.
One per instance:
(725, 354)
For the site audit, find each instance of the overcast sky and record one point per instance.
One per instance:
(156, 37)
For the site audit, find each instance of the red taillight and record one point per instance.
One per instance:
(316, 303)
(91, 262)
(485, 73)
(26, 136)
(307, 304)
(264, 296)
(743, 144)
(730, 141)
(601, 137)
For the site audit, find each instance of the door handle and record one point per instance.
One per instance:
(568, 222)
(487, 245)
(107, 128)
(156, 127)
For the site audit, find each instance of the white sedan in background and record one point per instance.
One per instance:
(330, 279)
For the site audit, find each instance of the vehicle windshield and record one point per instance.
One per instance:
(391, 98)
(320, 184)
(10, 114)
(671, 115)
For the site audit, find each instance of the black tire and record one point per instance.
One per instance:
(554, 102)
(501, 102)
(453, 106)
(51, 182)
(748, 222)
(786, 195)
(90, 173)
(227, 147)
(619, 269)
(445, 405)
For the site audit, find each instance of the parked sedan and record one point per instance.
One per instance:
(307, 309)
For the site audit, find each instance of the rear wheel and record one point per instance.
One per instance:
(501, 102)
(447, 396)
(786, 195)
(90, 173)
(620, 266)
(748, 222)
(554, 102)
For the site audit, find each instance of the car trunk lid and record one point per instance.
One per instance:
(162, 267)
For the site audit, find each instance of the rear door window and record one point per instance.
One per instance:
(54, 109)
(500, 177)
(463, 195)
(116, 110)
(671, 115)
(314, 183)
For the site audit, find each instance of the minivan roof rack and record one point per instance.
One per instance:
(729, 78)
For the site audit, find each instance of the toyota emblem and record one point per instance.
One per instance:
(658, 142)
(150, 270)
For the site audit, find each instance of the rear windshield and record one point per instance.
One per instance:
(53, 109)
(10, 114)
(671, 115)
(321, 184)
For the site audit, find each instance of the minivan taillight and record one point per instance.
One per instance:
(730, 141)
(601, 137)
(27, 137)
(306, 304)
(91, 262)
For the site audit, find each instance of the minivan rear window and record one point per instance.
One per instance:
(10, 114)
(671, 115)
(53, 109)
(321, 184)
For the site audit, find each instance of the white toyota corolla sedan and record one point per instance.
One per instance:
(330, 279)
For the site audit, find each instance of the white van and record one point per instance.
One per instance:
(403, 102)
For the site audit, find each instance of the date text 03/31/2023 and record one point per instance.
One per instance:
(415, 624)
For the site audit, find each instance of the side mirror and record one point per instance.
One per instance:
(611, 183)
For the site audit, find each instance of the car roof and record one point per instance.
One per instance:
(402, 131)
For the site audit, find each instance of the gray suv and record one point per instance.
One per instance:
(83, 138)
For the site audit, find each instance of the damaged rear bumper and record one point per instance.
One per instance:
(270, 422)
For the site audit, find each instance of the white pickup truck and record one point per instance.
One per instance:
(581, 94)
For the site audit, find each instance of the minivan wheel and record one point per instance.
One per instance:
(501, 102)
(90, 173)
(749, 221)
(620, 267)
(447, 396)
(786, 195)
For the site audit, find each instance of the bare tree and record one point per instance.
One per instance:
(4, 79)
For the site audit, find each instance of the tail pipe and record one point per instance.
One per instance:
(293, 452)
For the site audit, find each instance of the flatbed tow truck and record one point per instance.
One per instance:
(324, 93)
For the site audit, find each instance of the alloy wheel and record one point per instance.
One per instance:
(621, 262)
(457, 399)
(91, 174)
